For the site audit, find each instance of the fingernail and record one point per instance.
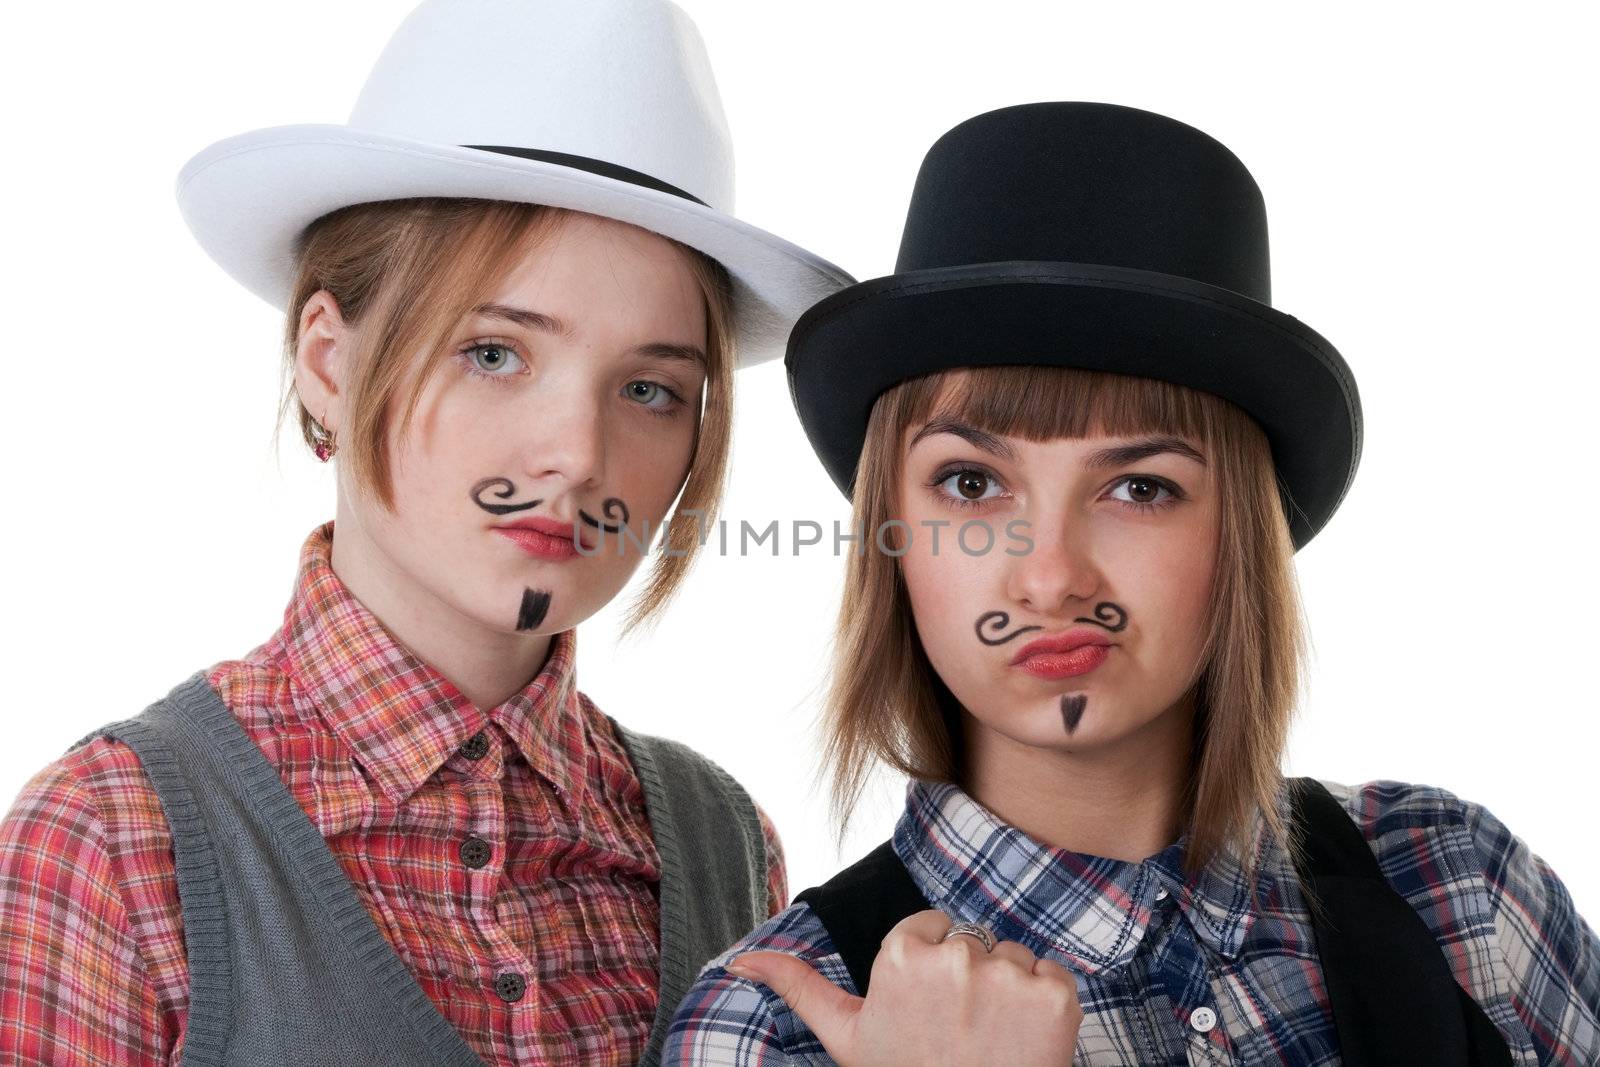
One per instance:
(735, 967)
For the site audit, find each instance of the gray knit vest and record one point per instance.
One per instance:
(286, 965)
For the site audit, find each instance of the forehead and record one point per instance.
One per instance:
(591, 271)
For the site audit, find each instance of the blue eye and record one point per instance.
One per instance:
(497, 357)
(653, 396)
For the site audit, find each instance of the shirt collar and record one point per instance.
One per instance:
(401, 717)
(1092, 910)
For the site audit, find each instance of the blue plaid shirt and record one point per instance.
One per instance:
(1151, 950)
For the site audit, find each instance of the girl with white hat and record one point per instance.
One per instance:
(396, 832)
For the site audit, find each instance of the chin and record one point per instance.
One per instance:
(1080, 717)
(1037, 723)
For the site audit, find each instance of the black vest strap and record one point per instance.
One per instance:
(1393, 995)
(861, 904)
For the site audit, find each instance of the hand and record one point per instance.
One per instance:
(932, 1001)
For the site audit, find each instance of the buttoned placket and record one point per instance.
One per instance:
(1177, 955)
(480, 854)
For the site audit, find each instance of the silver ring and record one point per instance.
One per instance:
(971, 930)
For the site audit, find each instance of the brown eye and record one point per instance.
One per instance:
(1145, 491)
(964, 486)
(971, 484)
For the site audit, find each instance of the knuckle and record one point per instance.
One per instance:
(1015, 952)
(958, 958)
(1060, 993)
(1058, 1001)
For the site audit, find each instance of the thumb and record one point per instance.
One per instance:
(827, 1010)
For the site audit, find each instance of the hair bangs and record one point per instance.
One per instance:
(1040, 403)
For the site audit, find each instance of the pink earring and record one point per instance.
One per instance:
(325, 446)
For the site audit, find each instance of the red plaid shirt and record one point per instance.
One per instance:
(369, 740)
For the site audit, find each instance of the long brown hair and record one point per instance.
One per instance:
(885, 701)
(408, 271)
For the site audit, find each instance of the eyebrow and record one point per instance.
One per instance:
(538, 320)
(533, 320)
(981, 439)
(1144, 449)
(664, 350)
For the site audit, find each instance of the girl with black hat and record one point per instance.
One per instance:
(1082, 449)
(397, 833)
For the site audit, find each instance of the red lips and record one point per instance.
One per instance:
(546, 538)
(1063, 655)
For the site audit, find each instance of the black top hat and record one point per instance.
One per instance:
(1085, 235)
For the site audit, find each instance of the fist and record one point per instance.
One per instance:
(933, 999)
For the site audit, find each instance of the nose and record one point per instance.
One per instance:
(1058, 570)
(566, 438)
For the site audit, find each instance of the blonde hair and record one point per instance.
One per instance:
(887, 703)
(408, 271)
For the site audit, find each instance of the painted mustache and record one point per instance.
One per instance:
(997, 621)
(612, 508)
(508, 489)
(1111, 616)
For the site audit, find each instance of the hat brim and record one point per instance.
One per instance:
(852, 346)
(248, 198)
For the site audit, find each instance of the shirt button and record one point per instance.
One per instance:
(510, 986)
(475, 852)
(1161, 894)
(475, 747)
(1203, 1019)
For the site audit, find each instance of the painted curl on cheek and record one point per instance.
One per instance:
(508, 489)
(612, 507)
(1113, 617)
(997, 621)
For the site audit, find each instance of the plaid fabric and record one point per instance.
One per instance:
(367, 738)
(1149, 948)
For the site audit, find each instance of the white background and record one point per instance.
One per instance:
(1431, 199)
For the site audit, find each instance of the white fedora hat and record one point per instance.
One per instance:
(602, 106)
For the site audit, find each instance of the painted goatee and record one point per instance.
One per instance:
(535, 604)
(1072, 705)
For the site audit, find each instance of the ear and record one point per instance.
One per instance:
(318, 367)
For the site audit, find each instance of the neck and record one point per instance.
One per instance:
(487, 666)
(1121, 801)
